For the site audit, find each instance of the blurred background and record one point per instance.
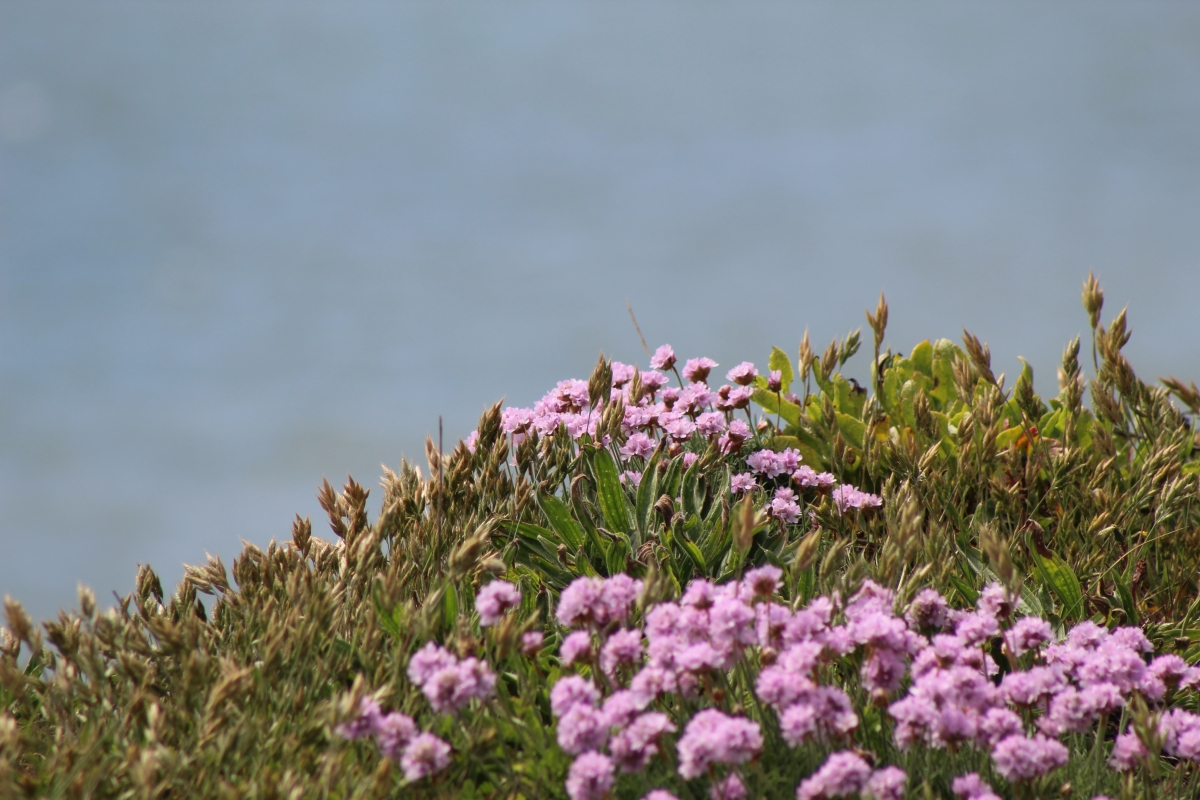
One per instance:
(247, 245)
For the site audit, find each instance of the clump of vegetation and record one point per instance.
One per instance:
(1077, 518)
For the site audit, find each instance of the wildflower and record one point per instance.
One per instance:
(1128, 751)
(652, 681)
(886, 784)
(591, 774)
(972, 787)
(1032, 687)
(711, 423)
(761, 581)
(689, 459)
(928, 611)
(697, 369)
(621, 373)
(425, 755)
(631, 478)
(637, 744)
(429, 659)
(617, 596)
(531, 642)
(1019, 758)
(451, 688)
(1074, 711)
(393, 732)
(714, 738)
(847, 496)
(621, 709)
(784, 506)
(362, 725)
(494, 600)
(677, 426)
(743, 374)
(976, 628)
(653, 381)
(739, 397)
(581, 729)
(765, 462)
(1028, 634)
(571, 691)
(638, 444)
(622, 648)
(997, 724)
(843, 774)
(742, 482)
(579, 602)
(660, 794)
(663, 358)
(471, 441)
(774, 380)
(731, 788)
(1112, 662)
(995, 601)
(576, 647)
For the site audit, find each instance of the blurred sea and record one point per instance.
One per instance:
(247, 245)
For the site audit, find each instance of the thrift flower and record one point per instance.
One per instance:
(742, 482)
(663, 358)
(471, 441)
(972, 787)
(886, 784)
(581, 729)
(393, 732)
(743, 374)
(775, 381)
(622, 648)
(731, 788)
(362, 725)
(425, 755)
(531, 643)
(494, 600)
(714, 738)
(591, 774)
(570, 691)
(1128, 751)
(638, 444)
(1019, 758)
(697, 369)
(843, 774)
(576, 647)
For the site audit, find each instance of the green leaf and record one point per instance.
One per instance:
(779, 361)
(450, 606)
(773, 404)
(610, 493)
(969, 595)
(694, 553)
(647, 494)
(922, 357)
(618, 552)
(853, 429)
(559, 517)
(1125, 595)
(944, 353)
(669, 485)
(1062, 581)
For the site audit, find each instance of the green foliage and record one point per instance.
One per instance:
(1086, 511)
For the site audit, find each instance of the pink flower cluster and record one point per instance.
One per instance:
(675, 414)
(953, 697)
(448, 683)
(771, 465)
(495, 600)
(420, 754)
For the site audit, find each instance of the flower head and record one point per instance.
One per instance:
(843, 774)
(494, 600)
(591, 775)
(743, 374)
(425, 755)
(663, 358)
(697, 369)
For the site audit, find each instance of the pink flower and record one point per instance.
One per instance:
(928, 611)
(743, 374)
(622, 648)
(429, 659)
(697, 369)
(1029, 633)
(576, 647)
(1128, 751)
(711, 423)
(843, 774)
(638, 444)
(761, 581)
(631, 478)
(637, 744)
(591, 775)
(660, 794)
(742, 482)
(621, 374)
(972, 787)
(617, 596)
(393, 732)
(494, 601)
(471, 441)
(581, 729)
(362, 725)
(531, 643)
(571, 691)
(425, 755)
(1019, 758)
(731, 788)
(689, 459)
(663, 358)
(579, 602)
(774, 380)
(886, 784)
(847, 496)
(714, 738)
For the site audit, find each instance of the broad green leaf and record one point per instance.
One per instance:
(773, 404)
(922, 358)
(779, 361)
(559, 517)
(1006, 438)
(969, 595)
(944, 353)
(694, 553)
(613, 505)
(669, 485)
(647, 494)
(618, 552)
(450, 606)
(1062, 581)
(692, 492)
(853, 429)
